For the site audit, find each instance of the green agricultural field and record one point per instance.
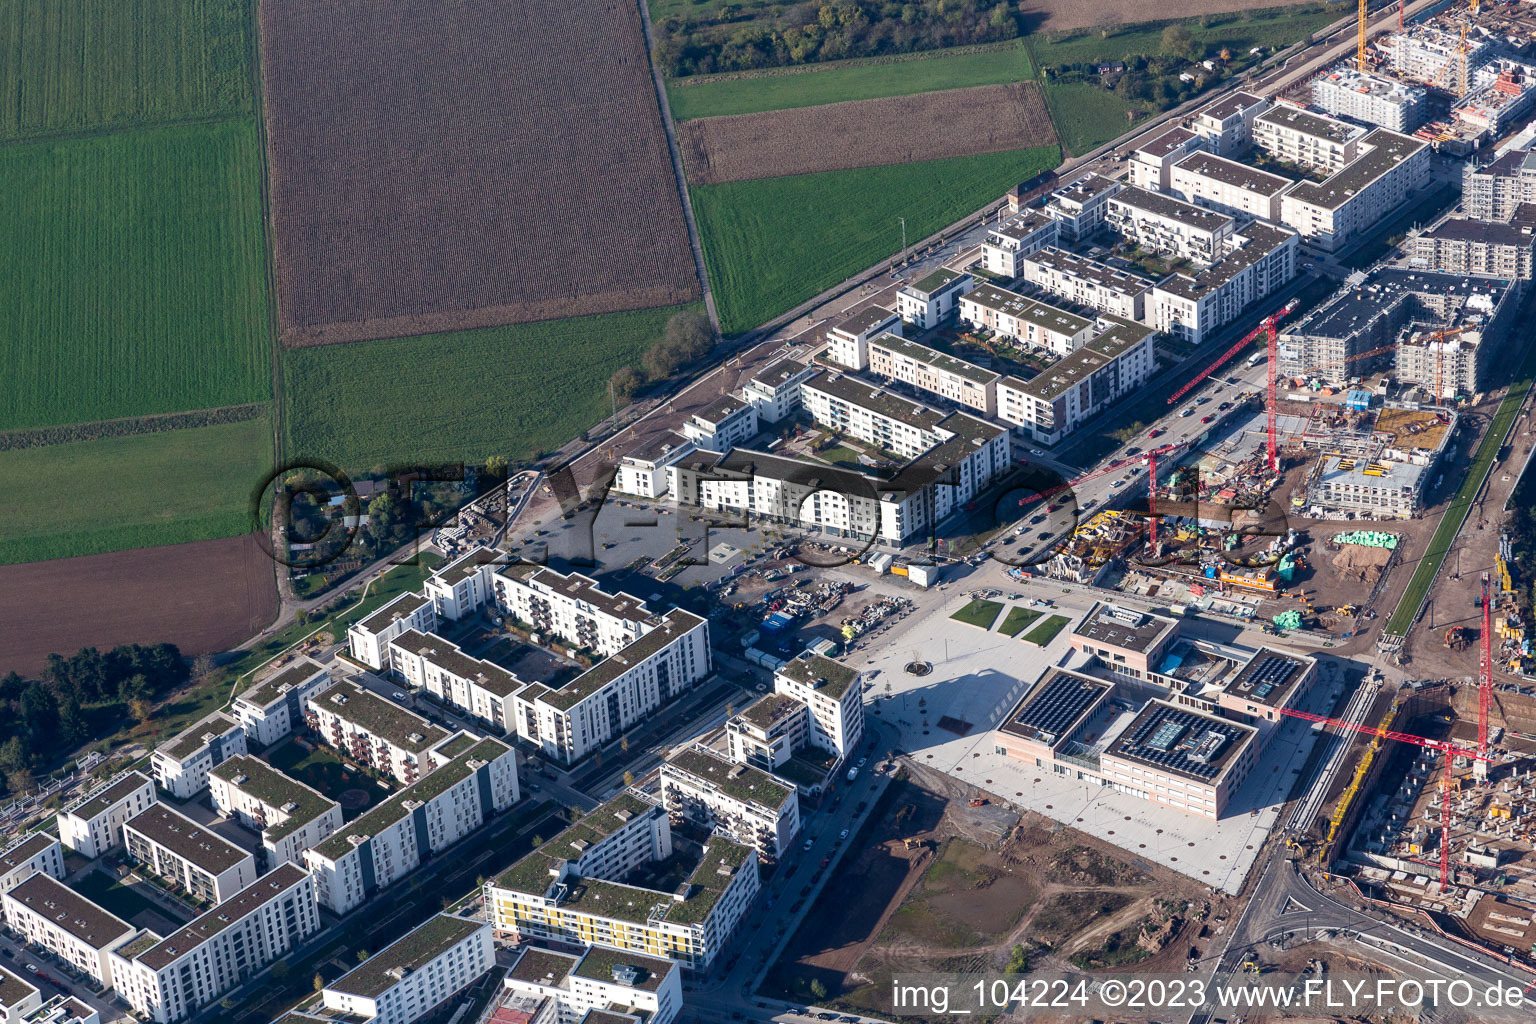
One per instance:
(131, 492)
(461, 396)
(866, 79)
(70, 65)
(132, 275)
(1085, 115)
(1276, 27)
(771, 244)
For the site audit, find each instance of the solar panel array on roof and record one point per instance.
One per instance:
(1058, 704)
(1266, 674)
(1179, 741)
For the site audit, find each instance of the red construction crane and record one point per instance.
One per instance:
(1266, 324)
(1449, 751)
(1113, 467)
(1485, 673)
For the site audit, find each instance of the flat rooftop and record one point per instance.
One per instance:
(1170, 141)
(1101, 274)
(1124, 627)
(194, 739)
(13, 989)
(1055, 706)
(448, 656)
(740, 781)
(1306, 122)
(1169, 208)
(19, 853)
(1464, 229)
(720, 409)
(1388, 149)
(862, 322)
(1042, 314)
(771, 709)
(1259, 240)
(539, 966)
(467, 565)
(1230, 105)
(1081, 190)
(936, 281)
(272, 689)
(413, 950)
(167, 827)
(1022, 225)
(244, 903)
(379, 716)
(584, 589)
(70, 911)
(820, 673)
(401, 607)
(672, 625)
(99, 800)
(876, 399)
(1230, 172)
(1087, 360)
(1181, 742)
(781, 371)
(1352, 307)
(933, 357)
(599, 964)
(1346, 471)
(1270, 677)
(1378, 87)
(298, 803)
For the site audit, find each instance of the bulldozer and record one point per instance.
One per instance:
(912, 844)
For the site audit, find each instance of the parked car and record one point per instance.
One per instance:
(842, 836)
(1206, 419)
(1155, 432)
(808, 844)
(398, 695)
(863, 761)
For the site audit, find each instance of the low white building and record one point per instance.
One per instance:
(1391, 490)
(477, 780)
(1051, 405)
(34, 853)
(1087, 282)
(368, 640)
(182, 765)
(745, 802)
(722, 424)
(290, 816)
(774, 391)
(848, 339)
(932, 298)
(416, 973)
(45, 912)
(1079, 206)
(1225, 126)
(94, 824)
(1228, 186)
(1165, 224)
(1354, 200)
(1026, 320)
(1192, 306)
(202, 863)
(463, 586)
(1374, 99)
(170, 979)
(18, 998)
(1151, 164)
(1010, 241)
(274, 707)
(928, 369)
(1293, 135)
(643, 469)
(872, 414)
(373, 730)
(613, 987)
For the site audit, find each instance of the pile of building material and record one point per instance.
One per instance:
(1358, 561)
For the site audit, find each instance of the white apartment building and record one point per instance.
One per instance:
(643, 470)
(479, 688)
(1168, 225)
(62, 1009)
(1385, 102)
(1012, 240)
(746, 803)
(94, 824)
(414, 974)
(368, 641)
(1053, 404)
(870, 413)
(182, 765)
(833, 693)
(551, 986)
(1389, 490)
(373, 730)
(1026, 320)
(289, 816)
(47, 913)
(463, 586)
(722, 424)
(1151, 164)
(274, 707)
(769, 732)
(1191, 306)
(1470, 247)
(774, 391)
(572, 607)
(1228, 186)
(1495, 191)
(18, 999)
(1225, 126)
(848, 340)
(37, 852)
(566, 890)
(1306, 139)
(931, 370)
(202, 863)
(1354, 200)
(932, 299)
(477, 780)
(1079, 206)
(170, 979)
(1087, 282)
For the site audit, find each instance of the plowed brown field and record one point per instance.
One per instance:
(865, 133)
(203, 597)
(470, 164)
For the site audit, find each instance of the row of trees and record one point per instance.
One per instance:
(811, 32)
(687, 339)
(44, 720)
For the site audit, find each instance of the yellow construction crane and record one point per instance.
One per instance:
(1360, 57)
(1457, 53)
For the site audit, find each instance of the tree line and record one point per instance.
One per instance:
(730, 38)
(47, 718)
(687, 339)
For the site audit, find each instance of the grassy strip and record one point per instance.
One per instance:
(979, 613)
(1018, 620)
(1085, 115)
(118, 493)
(1461, 505)
(773, 243)
(851, 80)
(512, 391)
(1047, 630)
(1239, 32)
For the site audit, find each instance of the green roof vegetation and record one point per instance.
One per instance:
(740, 781)
(276, 790)
(415, 949)
(825, 675)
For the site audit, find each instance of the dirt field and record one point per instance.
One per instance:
(205, 596)
(983, 881)
(437, 167)
(865, 133)
(1055, 15)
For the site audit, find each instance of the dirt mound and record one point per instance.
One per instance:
(1356, 561)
